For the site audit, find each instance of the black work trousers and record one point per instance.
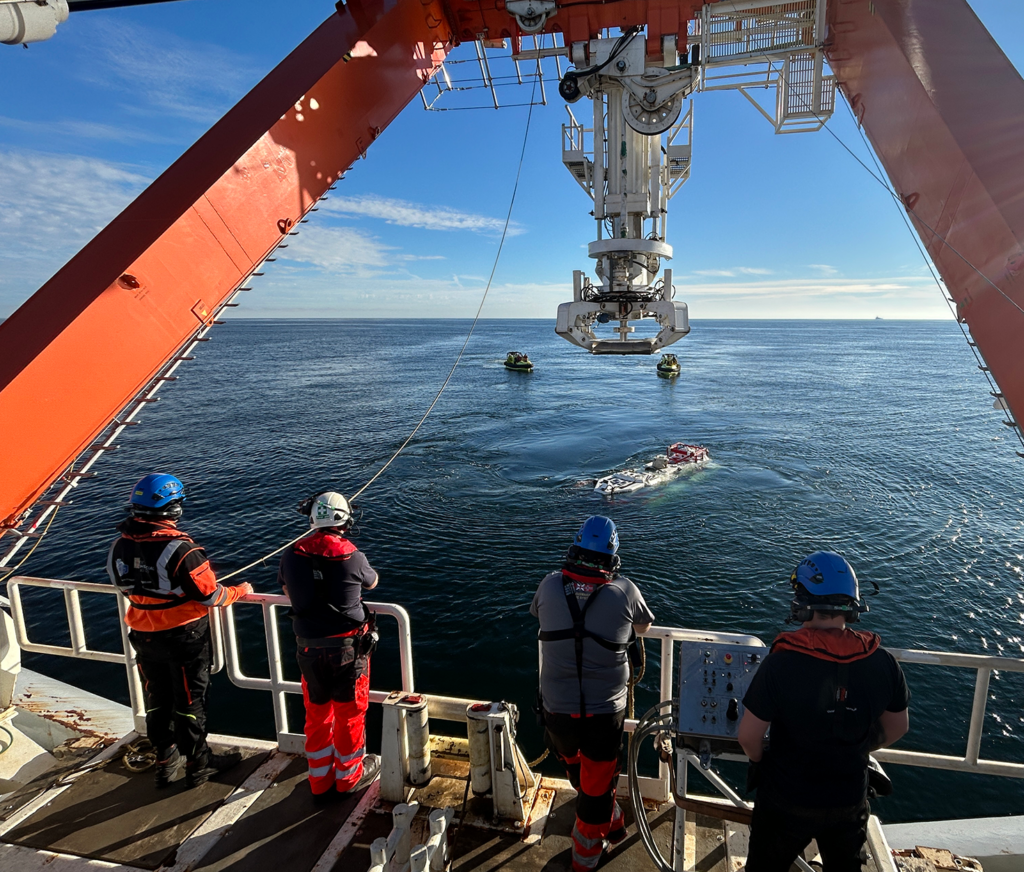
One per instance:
(591, 749)
(778, 833)
(175, 667)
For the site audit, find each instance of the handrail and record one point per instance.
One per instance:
(226, 654)
(277, 685)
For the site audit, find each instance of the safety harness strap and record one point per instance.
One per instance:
(172, 600)
(578, 633)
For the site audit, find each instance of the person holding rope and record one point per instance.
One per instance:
(171, 588)
(831, 694)
(589, 614)
(324, 575)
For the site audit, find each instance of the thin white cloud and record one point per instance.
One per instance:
(406, 214)
(172, 75)
(824, 269)
(50, 206)
(341, 250)
(71, 129)
(734, 271)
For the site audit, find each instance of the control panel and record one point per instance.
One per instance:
(713, 677)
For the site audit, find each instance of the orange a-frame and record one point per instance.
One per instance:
(940, 102)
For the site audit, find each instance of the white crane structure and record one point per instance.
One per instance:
(637, 155)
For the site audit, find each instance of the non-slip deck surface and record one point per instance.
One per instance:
(488, 850)
(119, 816)
(283, 831)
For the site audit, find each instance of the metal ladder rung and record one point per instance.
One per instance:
(1010, 424)
(99, 446)
(983, 368)
(166, 378)
(118, 423)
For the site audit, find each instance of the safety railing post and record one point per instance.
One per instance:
(135, 692)
(978, 715)
(74, 610)
(217, 638)
(667, 670)
(276, 671)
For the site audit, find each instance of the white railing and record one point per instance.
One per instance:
(225, 648)
(276, 683)
(971, 761)
(226, 654)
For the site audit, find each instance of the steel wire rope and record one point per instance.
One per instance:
(67, 475)
(455, 365)
(903, 207)
(895, 195)
(994, 388)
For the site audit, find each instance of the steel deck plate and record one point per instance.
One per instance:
(282, 830)
(118, 816)
(488, 850)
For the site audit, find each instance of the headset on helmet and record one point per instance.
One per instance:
(329, 509)
(597, 541)
(157, 495)
(825, 582)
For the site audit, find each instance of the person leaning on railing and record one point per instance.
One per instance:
(171, 588)
(830, 694)
(324, 575)
(589, 614)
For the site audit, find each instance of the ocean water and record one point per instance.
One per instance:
(875, 439)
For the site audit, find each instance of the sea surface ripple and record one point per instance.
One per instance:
(876, 439)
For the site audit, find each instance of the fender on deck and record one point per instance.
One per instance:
(84, 345)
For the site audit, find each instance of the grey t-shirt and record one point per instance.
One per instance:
(605, 673)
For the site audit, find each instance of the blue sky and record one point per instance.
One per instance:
(767, 227)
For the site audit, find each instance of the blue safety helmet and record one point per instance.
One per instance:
(825, 582)
(598, 534)
(158, 495)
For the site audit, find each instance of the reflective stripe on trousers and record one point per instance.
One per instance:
(587, 845)
(336, 739)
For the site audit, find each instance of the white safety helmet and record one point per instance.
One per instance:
(329, 509)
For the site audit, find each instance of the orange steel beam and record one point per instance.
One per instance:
(83, 346)
(944, 109)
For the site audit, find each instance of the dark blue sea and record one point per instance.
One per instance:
(876, 439)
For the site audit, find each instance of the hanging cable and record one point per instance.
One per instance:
(903, 208)
(993, 387)
(896, 196)
(458, 359)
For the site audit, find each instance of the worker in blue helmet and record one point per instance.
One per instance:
(831, 694)
(170, 587)
(589, 614)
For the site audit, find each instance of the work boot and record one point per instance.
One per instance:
(202, 770)
(327, 797)
(371, 769)
(171, 768)
(618, 831)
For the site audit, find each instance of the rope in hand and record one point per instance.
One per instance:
(451, 372)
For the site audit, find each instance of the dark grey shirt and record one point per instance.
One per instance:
(605, 673)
